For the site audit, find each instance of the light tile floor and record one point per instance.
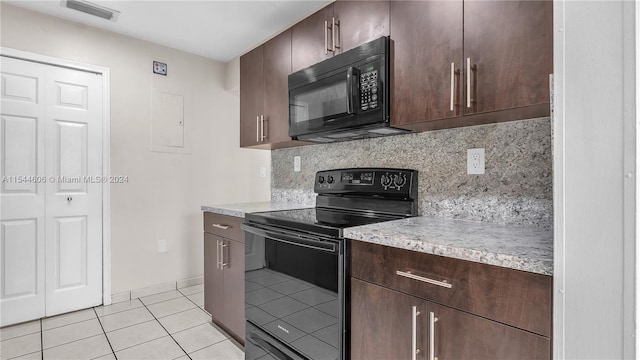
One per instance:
(169, 325)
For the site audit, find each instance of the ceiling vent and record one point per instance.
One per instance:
(91, 9)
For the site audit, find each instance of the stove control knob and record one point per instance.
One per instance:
(330, 179)
(385, 180)
(320, 179)
(399, 180)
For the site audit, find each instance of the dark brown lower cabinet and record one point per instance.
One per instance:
(224, 273)
(382, 323)
(387, 324)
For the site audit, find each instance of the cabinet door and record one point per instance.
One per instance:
(233, 263)
(511, 45)
(308, 39)
(277, 66)
(427, 40)
(251, 97)
(460, 335)
(382, 323)
(213, 277)
(360, 22)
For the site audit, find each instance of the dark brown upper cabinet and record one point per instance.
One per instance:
(336, 28)
(264, 95)
(459, 63)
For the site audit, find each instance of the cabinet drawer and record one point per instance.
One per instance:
(513, 297)
(223, 225)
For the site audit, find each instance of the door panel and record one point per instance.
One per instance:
(214, 287)
(74, 200)
(22, 196)
(510, 43)
(72, 155)
(19, 153)
(381, 323)
(360, 22)
(460, 335)
(308, 39)
(234, 286)
(427, 39)
(71, 246)
(251, 96)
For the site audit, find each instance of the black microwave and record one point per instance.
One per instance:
(345, 97)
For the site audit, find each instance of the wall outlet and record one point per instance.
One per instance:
(296, 163)
(162, 246)
(475, 161)
(263, 171)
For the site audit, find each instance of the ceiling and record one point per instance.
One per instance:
(219, 30)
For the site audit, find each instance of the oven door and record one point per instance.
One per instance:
(325, 103)
(294, 301)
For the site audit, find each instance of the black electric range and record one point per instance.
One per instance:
(297, 262)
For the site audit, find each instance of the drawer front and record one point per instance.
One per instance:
(223, 225)
(513, 297)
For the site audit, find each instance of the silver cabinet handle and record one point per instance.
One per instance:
(409, 275)
(220, 226)
(222, 246)
(262, 137)
(217, 254)
(326, 36)
(333, 33)
(432, 335)
(468, 82)
(258, 128)
(69, 198)
(414, 333)
(452, 86)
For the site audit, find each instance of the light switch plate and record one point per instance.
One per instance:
(263, 171)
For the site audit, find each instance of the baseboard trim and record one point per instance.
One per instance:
(156, 289)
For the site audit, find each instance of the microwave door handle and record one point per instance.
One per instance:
(351, 73)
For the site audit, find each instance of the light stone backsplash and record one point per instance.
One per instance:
(515, 189)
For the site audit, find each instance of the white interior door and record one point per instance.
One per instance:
(70, 208)
(22, 192)
(73, 118)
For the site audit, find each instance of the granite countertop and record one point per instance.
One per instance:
(516, 247)
(238, 210)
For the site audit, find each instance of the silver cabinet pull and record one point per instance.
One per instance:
(452, 86)
(222, 263)
(217, 254)
(326, 36)
(333, 33)
(409, 275)
(258, 128)
(468, 82)
(262, 137)
(69, 198)
(432, 335)
(414, 333)
(220, 226)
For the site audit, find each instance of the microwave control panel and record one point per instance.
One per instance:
(369, 88)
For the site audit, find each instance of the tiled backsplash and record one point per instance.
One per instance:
(515, 189)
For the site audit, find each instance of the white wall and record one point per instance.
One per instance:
(594, 151)
(165, 191)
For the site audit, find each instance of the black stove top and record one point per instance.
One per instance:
(329, 222)
(348, 198)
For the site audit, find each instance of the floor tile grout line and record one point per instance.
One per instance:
(105, 334)
(165, 329)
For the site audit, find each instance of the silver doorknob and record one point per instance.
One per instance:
(69, 198)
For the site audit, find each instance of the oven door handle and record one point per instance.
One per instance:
(298, 240)
(272, 350)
